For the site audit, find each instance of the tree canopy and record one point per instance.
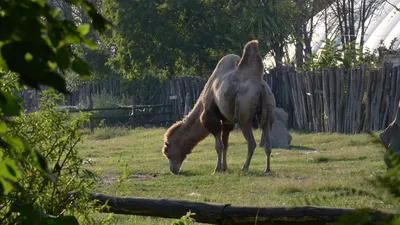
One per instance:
(174, 36)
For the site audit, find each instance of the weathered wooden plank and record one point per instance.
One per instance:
(397, 93)
(361, 92)
(353, 103)
(374, 99)
(302, 100)
(310, 99)
(307, 103)
(382, 99)
(377, 100)
(386, 97)
(225, 214)
(288, 106)
(367, 120)
(293, 84)
(332, 100)
(392, 97)
(325, 88)
(338, 74)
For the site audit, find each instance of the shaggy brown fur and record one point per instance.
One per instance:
(234, 93)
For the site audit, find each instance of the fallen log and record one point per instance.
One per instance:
(225, 214)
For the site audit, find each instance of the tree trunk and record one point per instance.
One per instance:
(299, 34)
(278, 56)
(224, 214)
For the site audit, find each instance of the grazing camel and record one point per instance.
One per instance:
(234, 93)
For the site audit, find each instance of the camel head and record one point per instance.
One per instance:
(173, 148)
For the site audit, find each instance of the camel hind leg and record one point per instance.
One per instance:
(266, 142)
(251, 143)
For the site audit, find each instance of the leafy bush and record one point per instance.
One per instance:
(55, 136)
(333, 54)
(37, 44)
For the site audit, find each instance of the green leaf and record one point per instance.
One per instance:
(83, 29)
(3, 127)
(55, 80)
(9, 173)
(8, 104)
(74, 2)
(81, 67)
(11, 170)
(42, 3)
(28, 56)
(1, 189)
(42, 164)
(98, 22)
(72, 39)
(63, 57)
(7, 25)
(90, 44)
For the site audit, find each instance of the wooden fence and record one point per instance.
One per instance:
(338, 100)
(127, 116)
(327, 100)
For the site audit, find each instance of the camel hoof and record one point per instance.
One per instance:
(217, 171)
(267, 171)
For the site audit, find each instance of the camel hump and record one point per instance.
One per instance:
(251, 57)
(251, 47)
(229, 61)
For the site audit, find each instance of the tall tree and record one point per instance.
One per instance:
(171, 36)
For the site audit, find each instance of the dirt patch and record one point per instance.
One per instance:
(137, 176)
(107, 180)
(110, 179)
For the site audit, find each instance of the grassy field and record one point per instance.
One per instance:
(317, 166)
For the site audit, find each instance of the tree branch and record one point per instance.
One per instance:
(394, 6)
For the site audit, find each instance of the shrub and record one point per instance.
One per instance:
(44, 197)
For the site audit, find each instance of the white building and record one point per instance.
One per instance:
(384, 25)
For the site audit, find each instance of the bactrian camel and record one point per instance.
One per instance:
(234, 93)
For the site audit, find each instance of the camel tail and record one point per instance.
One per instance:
(264, 109)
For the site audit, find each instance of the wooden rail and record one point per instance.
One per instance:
(225, 214)
(137, 118)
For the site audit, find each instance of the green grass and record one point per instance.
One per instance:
(317, 166)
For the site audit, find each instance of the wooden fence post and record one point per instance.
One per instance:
(132, 119)
(91, 125)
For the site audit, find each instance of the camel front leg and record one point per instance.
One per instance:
(214, 126)
(227, 128)
(219, 147)
(251, 144)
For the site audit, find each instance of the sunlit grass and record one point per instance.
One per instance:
(317, 166)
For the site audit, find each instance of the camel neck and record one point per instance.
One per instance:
(194, 131)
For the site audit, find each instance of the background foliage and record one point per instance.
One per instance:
(36, 44)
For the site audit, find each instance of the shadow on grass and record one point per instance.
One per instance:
(185, 173)
(254, 173)
(298, 147)
(326, 159)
